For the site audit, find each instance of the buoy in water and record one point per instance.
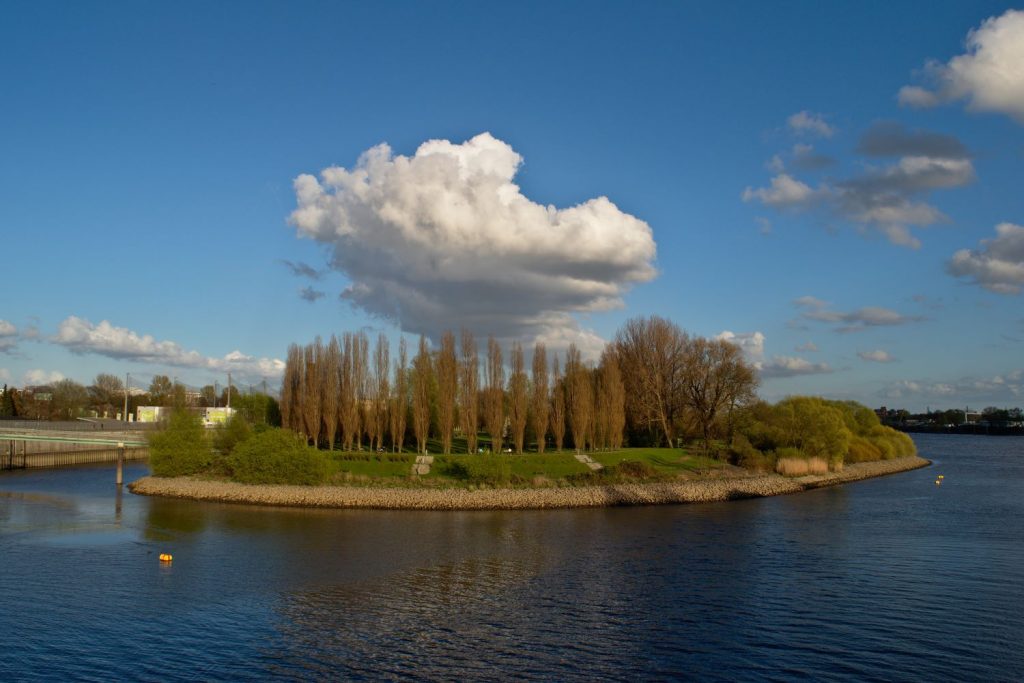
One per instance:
(942, 476)
(938, 482)
(167, 557)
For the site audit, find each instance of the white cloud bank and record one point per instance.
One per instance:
(998, 265)
(989, 75)
(444, 239)
(81, 336)
(853, 321)
(1003, 388)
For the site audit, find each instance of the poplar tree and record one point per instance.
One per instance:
(399, 399)
(579, 397)
(518, 399)
(494, 395)
(330, 378)
(291, 390)
(469, 390)
(539, 403)
(447, 389)
(311, 390)
(421, 376)
(558, 406)
(381, 388)
(348, 408)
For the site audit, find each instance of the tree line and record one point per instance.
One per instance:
(653, 379)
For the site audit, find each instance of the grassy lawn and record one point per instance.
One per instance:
(374, 465)
(672, 461)
(460, 469)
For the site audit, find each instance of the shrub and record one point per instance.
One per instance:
(635, 469)
(277, 456)
(181, 448)
(745, 455)
(231, 434)
(489, 469)
(862, 450)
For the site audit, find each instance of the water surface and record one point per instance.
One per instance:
(887, 579)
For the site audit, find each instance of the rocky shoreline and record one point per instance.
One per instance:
(660, 493)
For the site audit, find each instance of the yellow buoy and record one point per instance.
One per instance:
(942, 476)
(938, 481)
(167, 557)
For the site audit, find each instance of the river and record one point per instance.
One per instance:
(894, 578)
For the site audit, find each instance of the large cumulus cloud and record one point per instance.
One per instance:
(445, 239)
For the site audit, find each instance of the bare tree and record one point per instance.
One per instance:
(399, 399)
(311, 405)
(558, 406)
(360, 381)
(348, 404)
(381, 388)
(447, 389)
(291, 390)
(494, 395)
(715, 377)
(421, 378)
(651, 353)
(469, 390)
(579, 397)
(539, 401)
(615, 398)
(330, 377)
(518, 399)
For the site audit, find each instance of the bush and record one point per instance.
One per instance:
(181, 448)
(634, 469)
(231, 434)
(489, 469)
(745, 455)
(277, 456)
(862, 450)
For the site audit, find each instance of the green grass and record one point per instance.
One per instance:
(504, 469)
(671, 461)
(372, 465)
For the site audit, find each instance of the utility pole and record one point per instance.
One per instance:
(229, 392)
(127, 384)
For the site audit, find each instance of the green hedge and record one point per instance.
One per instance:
(180, 449)
(276, 456)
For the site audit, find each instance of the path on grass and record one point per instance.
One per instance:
(422, 464)
(589, 462)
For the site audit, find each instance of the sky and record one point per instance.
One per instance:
(187, 188)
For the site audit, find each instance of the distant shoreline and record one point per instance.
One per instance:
(704, 490)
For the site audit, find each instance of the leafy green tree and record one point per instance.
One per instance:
(182, 448)
(69, 399)
(277, 456)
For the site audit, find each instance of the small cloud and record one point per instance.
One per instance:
(784, 191)
(39, 377)
(854, 321)
(309, 294)
(805, 158)
(989, 75)
(805, 122)
(877, 356)
(764, 226)
(789, 366)
(809, 347)
(998, 265)
(300, 269)
(751, 343)
(891, 139)
(8, 336)
(5, 375)
(775, 164)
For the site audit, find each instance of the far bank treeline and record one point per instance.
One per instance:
(653, 385)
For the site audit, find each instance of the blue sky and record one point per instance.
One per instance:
(148, 154)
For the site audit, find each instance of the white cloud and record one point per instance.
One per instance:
(989, 75)
(751, 343)
(5, 375)
(876, 356)
(809, 347)
(784, 191)
(790, 366)
(311, 295)
(38, 377)
(81, 336)
(807, 122)
(998, 266)
(764, 226)
(444, 239)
